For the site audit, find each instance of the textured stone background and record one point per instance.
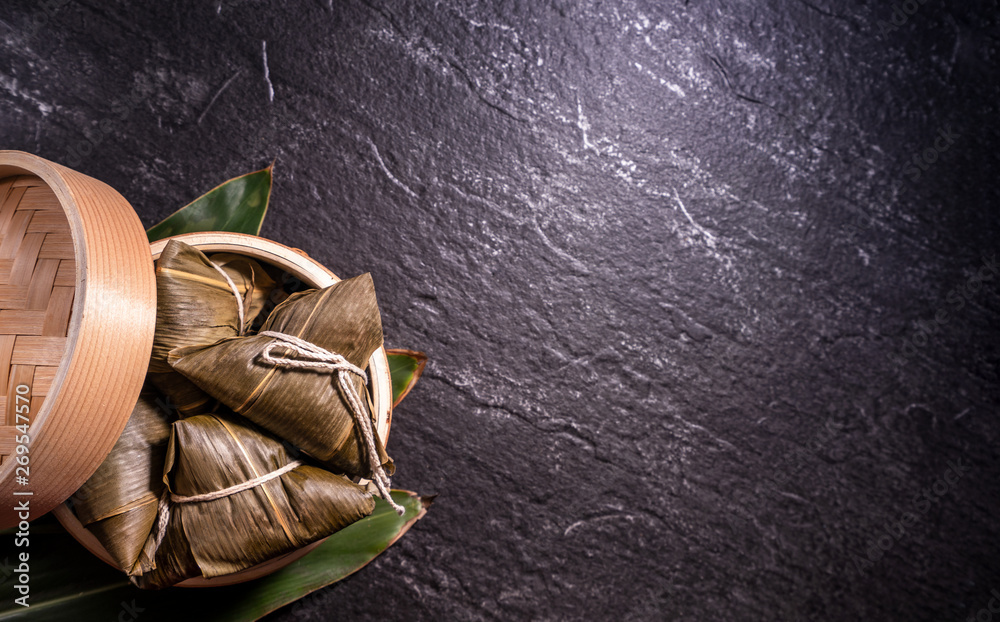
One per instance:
(676, 267)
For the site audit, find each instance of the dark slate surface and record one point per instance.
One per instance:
(709, 288)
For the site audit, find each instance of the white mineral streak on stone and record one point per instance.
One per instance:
(691, 220)
(670, 85)
(388, 173)
(577, 263)
(584, 125)
(267, 72)
(598, 519)
(11, 86)
(211, 102)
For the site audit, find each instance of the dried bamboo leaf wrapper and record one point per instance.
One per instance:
(249, 276)
(209, 453)
(196, 304)
(306, 407)
(181, 395)
(118, 503)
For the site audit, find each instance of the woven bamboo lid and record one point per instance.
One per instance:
(77, 312)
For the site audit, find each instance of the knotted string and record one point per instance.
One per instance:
(163, 512)
(315, 357)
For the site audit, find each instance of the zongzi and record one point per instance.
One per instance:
(284, 389)
(118, 503)
(236, 499)
(201, 300)
(181, 395)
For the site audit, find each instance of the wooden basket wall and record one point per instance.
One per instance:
(77, 313)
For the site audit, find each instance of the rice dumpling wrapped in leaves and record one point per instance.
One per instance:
(237, 500)
(251, 280)
(305, 403)
(196, 304)
(181, 395)
(118, 504)
(201, 300)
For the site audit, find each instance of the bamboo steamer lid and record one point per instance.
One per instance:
(77, 315)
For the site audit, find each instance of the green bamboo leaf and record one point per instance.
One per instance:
(238, 205)
(405, 367)
(68, 583)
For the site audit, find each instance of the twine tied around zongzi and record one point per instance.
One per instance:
(167, 498)
(240, 302)
(314, 357)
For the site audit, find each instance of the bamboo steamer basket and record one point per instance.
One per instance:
(77, 312)
(77, 315)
